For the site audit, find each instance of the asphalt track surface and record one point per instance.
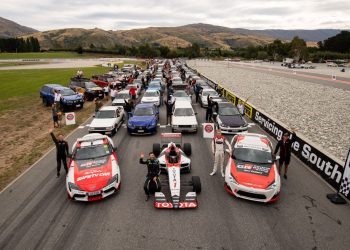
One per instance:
(323, 79)
(36, 213)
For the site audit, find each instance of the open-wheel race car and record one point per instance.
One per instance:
(174, 159)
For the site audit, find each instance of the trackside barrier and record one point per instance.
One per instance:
(329, 167)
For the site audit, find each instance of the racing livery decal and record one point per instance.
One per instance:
(254, 169)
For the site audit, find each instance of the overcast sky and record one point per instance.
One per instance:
(126, 14)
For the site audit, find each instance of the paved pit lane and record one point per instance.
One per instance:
(36, 213)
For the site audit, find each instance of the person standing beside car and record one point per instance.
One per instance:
(218, 149)
(54, 111)
(62, 151)
(57, 98)
(209, 111)
(240, 108)
(285, 147)
(169, 109)
(153, 172)
(132, 93)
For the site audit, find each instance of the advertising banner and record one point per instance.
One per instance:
(345, 183)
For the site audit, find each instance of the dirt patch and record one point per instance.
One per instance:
(25, 137)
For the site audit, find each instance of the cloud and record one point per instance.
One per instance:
(126, 14)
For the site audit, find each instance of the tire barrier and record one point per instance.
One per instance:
(327, 166)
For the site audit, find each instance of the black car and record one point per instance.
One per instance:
(228, 119)
(86, 87)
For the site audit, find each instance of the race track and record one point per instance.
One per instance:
(36, 213)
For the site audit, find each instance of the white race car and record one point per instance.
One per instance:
(171, 158)
(93, 169)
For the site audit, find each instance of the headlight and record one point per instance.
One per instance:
(273, 185)
(113, 179)
(71, 186)
(194, 126)
(109, 128)
(232, 179)
(131, 125)
(152, 124)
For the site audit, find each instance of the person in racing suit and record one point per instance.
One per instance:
(285, 147)
(62, 152)
(218, 148)
(153, 172)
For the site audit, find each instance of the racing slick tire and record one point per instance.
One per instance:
(156, 149)
(187, 149)
(196, 183)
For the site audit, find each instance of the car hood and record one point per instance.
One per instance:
(92, 174)
(141, 120)
(184, 120)
(188, 99)
(232, 120)
(253, 175)
(72, 97)
(102, 122)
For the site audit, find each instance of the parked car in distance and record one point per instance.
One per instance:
(69, 100)
(107, 120)
(89, 89)
(121, 97)
(184, 118)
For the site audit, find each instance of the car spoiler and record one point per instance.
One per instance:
(161, 202)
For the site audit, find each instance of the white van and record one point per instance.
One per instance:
(184, 117)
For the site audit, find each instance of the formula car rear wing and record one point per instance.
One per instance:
(166, 138)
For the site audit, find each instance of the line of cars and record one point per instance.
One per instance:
(94, 173)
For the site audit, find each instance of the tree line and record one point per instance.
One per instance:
(30, 44)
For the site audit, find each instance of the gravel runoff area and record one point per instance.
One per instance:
(319, 112)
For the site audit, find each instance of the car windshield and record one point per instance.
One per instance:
(252, 155)
(92, 152)
(105, 114)
(122, 96)
(209, 92)
(150, 94)
(180, 94)
(183, 112)
(228, 109)
(143, 112)
(66, 92)
(90, 85)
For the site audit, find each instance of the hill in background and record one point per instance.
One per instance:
(11, 29)
(205, 35)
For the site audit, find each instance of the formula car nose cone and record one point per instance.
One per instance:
(176, 201)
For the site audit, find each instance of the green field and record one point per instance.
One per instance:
(17, 86)
(42, 55)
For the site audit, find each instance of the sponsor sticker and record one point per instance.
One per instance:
(208, 130)
(254, 169)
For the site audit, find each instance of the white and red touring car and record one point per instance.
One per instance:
(93, 169)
